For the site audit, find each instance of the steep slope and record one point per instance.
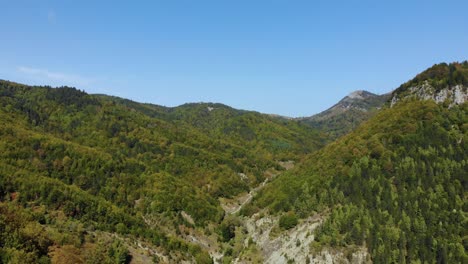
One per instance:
(396, 186)
(139, 170)
(347, 114)
(442, 83)
(389, 185)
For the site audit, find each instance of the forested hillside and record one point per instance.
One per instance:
(122, 167)
(397, 185)
(100, 179)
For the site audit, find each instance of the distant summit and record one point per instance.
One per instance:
(359, 94)
(362, 100)
(347, 113)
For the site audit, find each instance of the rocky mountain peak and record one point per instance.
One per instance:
(360, 99)
(360, 94)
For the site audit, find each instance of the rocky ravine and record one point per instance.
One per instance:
(294, 245)
(289, 245)
(278, 246)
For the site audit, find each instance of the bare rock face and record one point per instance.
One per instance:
(360, 256)
(295, 244)
(360, 94)
(455, 95)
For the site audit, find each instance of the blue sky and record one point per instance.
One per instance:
(288, 57)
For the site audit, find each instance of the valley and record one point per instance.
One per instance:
(99, 179)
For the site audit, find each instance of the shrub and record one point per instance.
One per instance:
(288, 221)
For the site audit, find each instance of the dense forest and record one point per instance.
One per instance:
(100, 179)
(396, 185)
(113, 164)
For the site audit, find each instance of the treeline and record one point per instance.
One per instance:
(440, 76)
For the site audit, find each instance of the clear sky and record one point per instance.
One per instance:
(287, 57)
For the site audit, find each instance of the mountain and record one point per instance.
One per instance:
(347, 114)
(105, 166)
(392, 191)
(101, 179)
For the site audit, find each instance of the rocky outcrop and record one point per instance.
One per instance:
(295, 244)
(454, 95)
(360, 255)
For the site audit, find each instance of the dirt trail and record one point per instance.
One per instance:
(248, 197)
(233, 207)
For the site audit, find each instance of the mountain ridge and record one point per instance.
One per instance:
(346, 114)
